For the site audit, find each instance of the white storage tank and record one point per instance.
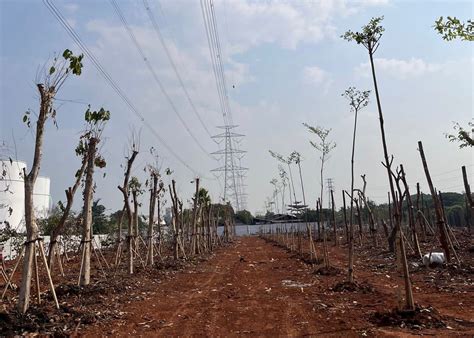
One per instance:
(12, 195)
(42, 197)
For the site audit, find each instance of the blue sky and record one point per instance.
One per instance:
(288, 65)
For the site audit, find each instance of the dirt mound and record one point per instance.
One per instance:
(170, 264)
(421, 318)
(327, 271)
(363, 287)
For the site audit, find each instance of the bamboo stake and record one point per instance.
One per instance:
(50, 280)
(35, 269)
(13, 272)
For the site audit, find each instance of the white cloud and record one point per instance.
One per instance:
(247, 24)
(71, 22)
(71, 8)
(401, 69)
(315, 75)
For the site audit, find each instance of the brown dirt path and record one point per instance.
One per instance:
(228, 295)
(256, 288)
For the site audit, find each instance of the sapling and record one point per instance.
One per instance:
(49, 82)
(357, 101)
(369, 37)
(95, 123)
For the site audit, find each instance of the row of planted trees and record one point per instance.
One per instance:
(399, 233)
(193, 231)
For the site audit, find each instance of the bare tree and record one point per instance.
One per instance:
(296, 158)
(469, 199)
(324, 146)
(125, 189)
(70, 192)
(156, 186)
(288, 162)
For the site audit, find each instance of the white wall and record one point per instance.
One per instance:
(9, 251)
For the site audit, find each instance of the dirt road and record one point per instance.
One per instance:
(252, 288)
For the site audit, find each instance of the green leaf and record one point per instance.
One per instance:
(67, 54)
(52, 70)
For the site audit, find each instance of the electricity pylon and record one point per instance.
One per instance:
(233, 171)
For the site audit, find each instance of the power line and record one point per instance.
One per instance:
(119, 13)
(233, 173)
(170, 58)
(109, 80)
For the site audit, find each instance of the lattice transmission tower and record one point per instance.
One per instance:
(330, 187)
(232, 171)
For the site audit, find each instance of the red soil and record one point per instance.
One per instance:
(249, 288)
(257, 288)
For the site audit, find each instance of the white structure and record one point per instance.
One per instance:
(436, 258)
(12, 195)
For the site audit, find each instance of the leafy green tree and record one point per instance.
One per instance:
(244, 217)
(453, 28)
(100, 221)
(463, 136)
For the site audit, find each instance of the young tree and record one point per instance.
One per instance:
(125, 189)
(156, 186)
(70, 192)
(194, 244)
(370, 37)
(284, 183)
(95, 121)
(296, 157)
(357, 101)
(288, 162)
(136, 189)
(274, 182)
(324, 146)
(49, 82)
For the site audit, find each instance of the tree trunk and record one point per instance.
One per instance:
(411, 216)
(419, 217)
(125, 191)
(174, 220)
(409, 297)
(58, 229)
(32, 231)
(373, 230)
(359, 220)
(345, 215)
(194, 247)
(135, 221)
(151, 216)
(334, 218)
(469, 198)
(87, 213)
(437, 206)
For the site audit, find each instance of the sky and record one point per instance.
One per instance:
(285, 64)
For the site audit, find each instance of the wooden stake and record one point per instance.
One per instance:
(35, 269)
(13, 272)
(50, 280)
